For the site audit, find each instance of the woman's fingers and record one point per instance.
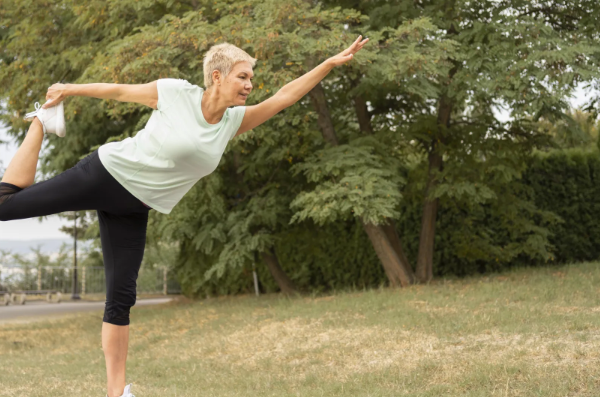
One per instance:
(360, 45)
(354, 45)
(357, 45)
(348, 53)
(51, 101)
(54, 96)
(350, 49)
(49, 104)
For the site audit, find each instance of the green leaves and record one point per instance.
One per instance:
(247, 235)
(416, 56)
(350, 180)
(431, 79)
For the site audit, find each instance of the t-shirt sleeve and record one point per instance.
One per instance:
(236, 115)
(168, 92)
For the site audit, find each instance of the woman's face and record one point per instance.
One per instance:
(238, 84)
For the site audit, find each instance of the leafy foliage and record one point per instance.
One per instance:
(431, 81)
(351, 180)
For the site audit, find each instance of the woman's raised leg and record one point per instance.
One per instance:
(22, 167)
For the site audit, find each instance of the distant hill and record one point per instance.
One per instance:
(24, 246)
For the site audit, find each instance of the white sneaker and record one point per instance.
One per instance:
(126, 392)
(52, 119)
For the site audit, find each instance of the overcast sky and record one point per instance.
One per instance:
(33, 229)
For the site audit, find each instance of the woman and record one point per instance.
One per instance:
(182, 142)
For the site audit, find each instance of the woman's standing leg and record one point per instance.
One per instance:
(22, 167)
(115, 343)
(123, 239)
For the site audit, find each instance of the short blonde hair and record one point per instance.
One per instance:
(222, 57)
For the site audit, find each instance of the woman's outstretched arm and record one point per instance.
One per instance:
(146, 94)
(293, 91)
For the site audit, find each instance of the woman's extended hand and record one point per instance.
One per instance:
(348, 53)
(55, 95)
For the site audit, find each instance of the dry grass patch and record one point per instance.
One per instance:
(527, 333)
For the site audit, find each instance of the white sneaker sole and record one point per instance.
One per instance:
(61, 129)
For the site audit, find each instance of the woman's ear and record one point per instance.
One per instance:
(216, 76)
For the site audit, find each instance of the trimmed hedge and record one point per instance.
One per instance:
(562, 183)
(568, 184)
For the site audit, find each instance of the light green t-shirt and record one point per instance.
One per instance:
(175, 149)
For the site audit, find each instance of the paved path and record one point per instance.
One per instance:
(39, 310)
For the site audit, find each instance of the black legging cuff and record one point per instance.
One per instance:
(10, 185)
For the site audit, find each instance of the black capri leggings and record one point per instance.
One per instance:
(122, 217)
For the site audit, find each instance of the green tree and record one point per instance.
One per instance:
(524, 55)
(412, 117)
(271, 31)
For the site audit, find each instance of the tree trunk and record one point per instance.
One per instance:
(283, 281)
(362, 113)
(364, 121)
(392, 235)
(317, 95)
(424, 271)
(394, 269)
(398, 272)
(426, 243)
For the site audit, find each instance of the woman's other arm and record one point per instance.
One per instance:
(145, 94)
(293, 91)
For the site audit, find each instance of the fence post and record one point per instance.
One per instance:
(39, 278)
(165, 281)
(83, 281)
(255, 276)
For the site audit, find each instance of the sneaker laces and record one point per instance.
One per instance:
(35, 112)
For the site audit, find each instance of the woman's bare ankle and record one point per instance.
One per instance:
(37, 123)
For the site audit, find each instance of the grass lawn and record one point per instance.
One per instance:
(533, 332)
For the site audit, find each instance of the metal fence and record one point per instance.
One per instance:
(90, 280)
